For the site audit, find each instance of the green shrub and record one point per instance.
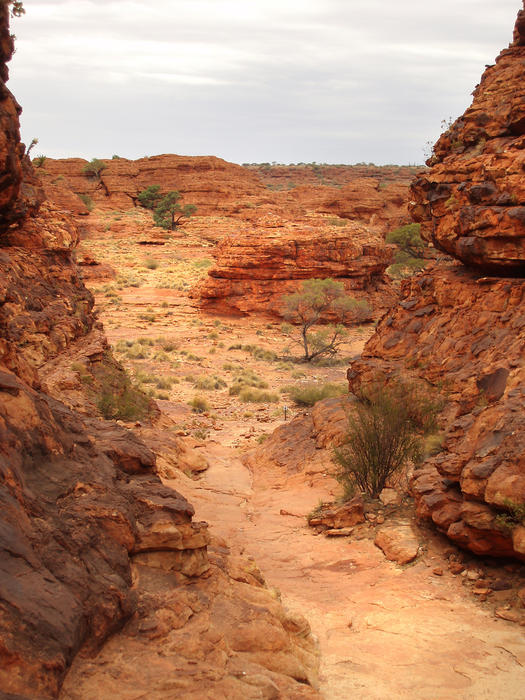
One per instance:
(203, 264)
(150, 197)
(514, 516)
(385, 429)
(199, 404)
(209, 383)
(94, 168)
(246, 379)
(309, 394)
(39, 161)
(87, 201)
(131, 404)
(151, 264)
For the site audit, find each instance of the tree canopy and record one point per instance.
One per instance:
(315, 301)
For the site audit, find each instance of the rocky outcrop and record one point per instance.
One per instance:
(376, 197)
(254, 270)
(212, 184)
(20, 191)
(465, 333)
(472, 202)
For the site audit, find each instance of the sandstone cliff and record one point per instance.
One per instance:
(376, 197)
(89, 537)
(465, 333)
(254, 269)
(472, 202)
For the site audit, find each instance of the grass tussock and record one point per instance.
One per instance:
(311, 393)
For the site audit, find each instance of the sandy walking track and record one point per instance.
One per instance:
(384, 631)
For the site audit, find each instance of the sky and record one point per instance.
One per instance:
(330, 81)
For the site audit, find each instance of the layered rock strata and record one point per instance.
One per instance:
(465, 335)
(471, 203)
(212, 184)
(369, 196)
(254, 270)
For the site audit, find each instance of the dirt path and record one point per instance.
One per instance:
(384, 631)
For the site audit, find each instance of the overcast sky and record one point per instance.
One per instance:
(337, 81)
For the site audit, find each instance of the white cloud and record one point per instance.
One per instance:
(251, 79)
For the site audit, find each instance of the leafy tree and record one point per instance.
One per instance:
(409, 256)
(386, 425)
(94, 168)
(150, 197)
(408, 239)
(316, 299)
(169, 213)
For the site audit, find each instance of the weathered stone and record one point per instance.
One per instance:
(398, 543)
(345, 516)
(253, 271)
(471, 202)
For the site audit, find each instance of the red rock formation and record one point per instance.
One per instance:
(464, 334)
(212, 184)
(472, 202)
(254, 270)
(376, 197)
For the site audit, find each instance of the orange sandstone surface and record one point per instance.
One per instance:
(255, 268)
(472, 201)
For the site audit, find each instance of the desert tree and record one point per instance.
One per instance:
(317, 300)
(168, 213)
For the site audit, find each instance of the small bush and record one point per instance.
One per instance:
(209, 383)
(309, 394)
(514, 516)
(247, 379)
(251, 395)
(131, 404)
(385, 429)
(199, 404)
(151, 264)
(39, 161)
(87, 201)
(94, 168)
(202, 263)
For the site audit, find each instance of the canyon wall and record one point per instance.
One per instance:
(464, 332)
(374, 196)
(471, 203)
(255, 269)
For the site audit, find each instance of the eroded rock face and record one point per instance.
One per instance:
(212, 184)
(465, 335)
(254, 270)
(373, 196)
(471, 204)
